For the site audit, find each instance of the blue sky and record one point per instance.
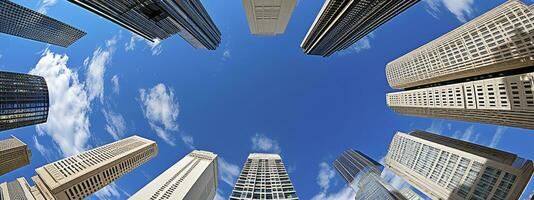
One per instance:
(253, 94)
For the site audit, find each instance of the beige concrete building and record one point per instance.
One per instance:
(409, 194)
(14, 154)
(496, 41)
(192, 178)
(263, 177)
(268, 17)
(447, 168)
(507, 101)
(81, 175)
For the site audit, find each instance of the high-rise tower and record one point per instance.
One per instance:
(193, 177)
(23, 100)
(480, 72)
(268, 17)
(14, 154)
(447, 168)
(264, 177)
(22, 22)
(81, 175)
(341, 23)
(156, 20)
(363, 176)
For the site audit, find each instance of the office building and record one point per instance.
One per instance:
(192, 178)
(479, 72)
(342, 23)
(264, 177)
(157, 20)
(23, 100)
(268, 17)
(447, 168)
(363, 176)
(81, 175)
(14, 153)
(16, 190)
(22, 22)
(409, 194)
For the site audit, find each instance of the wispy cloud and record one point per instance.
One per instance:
(262, 143)
(47, 153)
(116, 85)
(188, 141)
(111, 191)
(44, 5)
(324, 180)
(115, 124)
(361, 45)
(228, 172)
(226, 54)
(497, 136)
(96, 67)
(161, 110)
(155, 47)
(462, 9)
(439, 126)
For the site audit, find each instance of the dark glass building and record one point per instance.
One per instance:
(22, 22)
(342, 23)
(363, 176)
(159, 19)
(23, 100)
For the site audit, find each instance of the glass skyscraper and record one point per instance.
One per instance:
(23, 100)
(363, 176)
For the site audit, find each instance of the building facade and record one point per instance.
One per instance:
(81, 175)
(497, 41)
(342, 23)
(447, 168)
(23, 100)
(16, 190)
(363, 176)
(157, 20)
(263, 177)
(409, 194)
(22, 22)
(268, 17)
(14, 153)
(192, 178)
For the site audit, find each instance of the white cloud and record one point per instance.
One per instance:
(226, 54)
(44, 5)
(324, 179)
(161, 110)
(262, 143)
(68, 121)
(438, 127)
(111, 191)
(96, 67)
(155, 47)
(116, 85)
(359, 46)
(462, 9)
(115, 124)
(497, 136)
(228, 172)
(45, 152)
(188, 141)
(468, 133)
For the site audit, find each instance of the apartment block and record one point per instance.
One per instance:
(447, 168)
(22, 22)
(264, 177)
(192, 178)
(14, 153)
(268, 17)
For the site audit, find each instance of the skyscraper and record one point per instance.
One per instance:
(14, 154)
(447, 168)
(268, 17)
(341, 23)
(16, 190)
(156, 20)
(193, 177)
(480, 72)
(81, 175)
(264, 177)
(22, 22)
(409, 194)
(23, 100)
(363, 176)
